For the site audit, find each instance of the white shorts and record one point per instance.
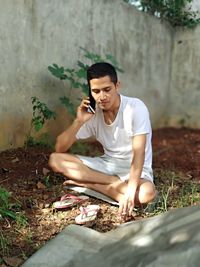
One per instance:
(114, 166)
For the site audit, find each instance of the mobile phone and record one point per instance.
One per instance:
(92, 106)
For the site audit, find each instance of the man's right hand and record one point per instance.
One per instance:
(82, 114)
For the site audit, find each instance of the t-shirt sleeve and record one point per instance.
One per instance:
(140, 120)
(86, 131)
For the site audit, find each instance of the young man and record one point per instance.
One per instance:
(121, 124)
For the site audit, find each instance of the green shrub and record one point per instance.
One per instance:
(10, 209)
(174, 11)
(77, 78)
(41, 113)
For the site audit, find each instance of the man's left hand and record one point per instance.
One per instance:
(127, 204)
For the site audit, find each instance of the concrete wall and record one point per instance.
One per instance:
(35, 34)
(161, 65)
(184, 101)
(184, 97)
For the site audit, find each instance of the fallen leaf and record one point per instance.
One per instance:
(41, 205)
(40, 185)
(45, 197)
(45, 171)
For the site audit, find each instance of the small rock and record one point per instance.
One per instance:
(15, 160)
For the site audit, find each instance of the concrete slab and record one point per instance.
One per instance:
(171, 239)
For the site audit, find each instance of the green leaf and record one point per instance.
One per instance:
(82, 65)
(93, 57)
(38, 125)
(71, 71)
(81, 73)
(7, 213)
(57, 71)
(4, 197)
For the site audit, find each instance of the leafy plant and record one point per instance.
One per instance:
(174, 11)
(46, 179)
(44, 141)
(10, 210)
(77, 78)
(5, 204)
(41, 113)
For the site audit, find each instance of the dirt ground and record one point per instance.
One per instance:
(25, 173)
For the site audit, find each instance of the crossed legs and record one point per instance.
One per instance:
(79, 174)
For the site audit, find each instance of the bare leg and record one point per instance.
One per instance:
(79, 174)
(73, 168)
(145, 192)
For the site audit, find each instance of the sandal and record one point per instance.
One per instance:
(69, 200)
(88, 214)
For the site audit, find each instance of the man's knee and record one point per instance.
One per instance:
(147, 192)
(53, 158)
(58, 160)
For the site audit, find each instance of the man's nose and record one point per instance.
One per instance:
(102, 95)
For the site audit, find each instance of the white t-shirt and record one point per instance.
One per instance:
(132, 119)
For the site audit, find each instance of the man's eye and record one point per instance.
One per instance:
(96, 91)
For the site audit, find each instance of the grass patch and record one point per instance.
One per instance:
(4, 244)
(11, 213)
(10, 209)
(174, 191)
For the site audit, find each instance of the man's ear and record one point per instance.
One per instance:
(118, 84)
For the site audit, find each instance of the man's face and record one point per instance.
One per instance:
(104, 92)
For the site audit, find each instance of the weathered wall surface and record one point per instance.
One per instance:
(35, 34)
(184, 102)
(161, 66)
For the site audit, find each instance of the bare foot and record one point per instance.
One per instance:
(72, 182)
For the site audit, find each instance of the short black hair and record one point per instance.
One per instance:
(101, 69)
